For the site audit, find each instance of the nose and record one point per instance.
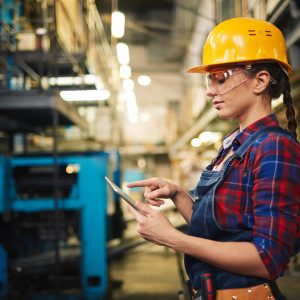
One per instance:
(210, 92)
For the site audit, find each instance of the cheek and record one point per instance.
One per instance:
(236, 103)
(240, 97)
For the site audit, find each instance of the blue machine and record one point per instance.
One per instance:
(3, 272)
(81, 188)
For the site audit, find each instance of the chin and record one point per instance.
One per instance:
(225, 116)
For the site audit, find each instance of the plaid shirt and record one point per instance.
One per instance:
(262, 193)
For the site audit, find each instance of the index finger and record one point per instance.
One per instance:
(141, 183)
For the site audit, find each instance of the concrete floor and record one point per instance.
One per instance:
(150, 272)
(147, 272)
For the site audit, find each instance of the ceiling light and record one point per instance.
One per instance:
(85, 95)
(125, 71)
(117, 24)
(196, 142)
(88, 79)
(209, 137)
(131, 103)
(123, 53)
(128, 84)
(132, 108)
(205, 136)
(144, 80)
(145, 117)
(141, 163)
(133, 118)
(41, 31)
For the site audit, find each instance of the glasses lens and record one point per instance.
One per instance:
(222, 81)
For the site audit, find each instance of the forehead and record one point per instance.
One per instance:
(224, 68)
(219, 69)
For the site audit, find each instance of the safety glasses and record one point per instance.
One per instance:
(223, 81)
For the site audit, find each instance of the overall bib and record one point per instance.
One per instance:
(205, 225)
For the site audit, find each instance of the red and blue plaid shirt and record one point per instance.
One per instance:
(262, 194)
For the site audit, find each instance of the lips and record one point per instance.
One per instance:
(217, 104)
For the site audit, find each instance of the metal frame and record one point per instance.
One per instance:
(89, 197)
(19, 105)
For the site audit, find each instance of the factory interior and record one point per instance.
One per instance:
(95, 88)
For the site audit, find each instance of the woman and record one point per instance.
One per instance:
(243, 215)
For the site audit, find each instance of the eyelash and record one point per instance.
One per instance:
(221, 81)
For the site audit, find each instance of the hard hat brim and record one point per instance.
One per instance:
(207, 68)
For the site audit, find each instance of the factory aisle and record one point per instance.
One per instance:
(147, 272)
(151, 272)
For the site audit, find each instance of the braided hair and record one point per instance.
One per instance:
(279, 84)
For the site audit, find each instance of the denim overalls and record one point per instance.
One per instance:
(204, 224)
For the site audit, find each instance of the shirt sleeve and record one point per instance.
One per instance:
(276, 171)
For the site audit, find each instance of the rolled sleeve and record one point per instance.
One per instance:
(276, 171)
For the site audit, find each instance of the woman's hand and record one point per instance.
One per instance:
(155, 189)
(237, 257)
(153, 225)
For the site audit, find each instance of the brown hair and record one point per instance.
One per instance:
(279, 84)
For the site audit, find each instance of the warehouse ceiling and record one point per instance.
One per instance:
(158, 34)
(43, 41)
(164, 37)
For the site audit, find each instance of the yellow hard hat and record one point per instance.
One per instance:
(243, 40)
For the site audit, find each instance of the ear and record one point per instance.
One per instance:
(262, 79)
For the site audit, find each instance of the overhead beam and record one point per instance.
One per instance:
(293, 36)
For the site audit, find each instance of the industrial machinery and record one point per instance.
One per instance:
(31, 220)
(53, 206)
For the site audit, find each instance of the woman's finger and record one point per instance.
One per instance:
(155, 202)
(142, 183)
(163, 192)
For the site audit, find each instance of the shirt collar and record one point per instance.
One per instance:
(228, 140)
(236, 138)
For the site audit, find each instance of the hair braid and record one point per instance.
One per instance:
(282, 86)
(290, 111)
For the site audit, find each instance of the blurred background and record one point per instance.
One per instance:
(92, 88)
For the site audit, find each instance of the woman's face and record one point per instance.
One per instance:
(231, 92)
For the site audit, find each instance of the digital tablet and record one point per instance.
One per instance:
(122, 194)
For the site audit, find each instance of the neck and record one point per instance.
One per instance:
(250, 117)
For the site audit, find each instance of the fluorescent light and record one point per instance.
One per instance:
(144, 80)
(133, 118)
(209, 137)
(132, 108)
(145, 117)
(123, 53)
(85, 95)
(125, 71)
(130, 98)
(196, 142)
(128, 85)
(117, 24)
(206, 136)
(41, 31)
(89, 79)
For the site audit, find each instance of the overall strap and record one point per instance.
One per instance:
(252, 139)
